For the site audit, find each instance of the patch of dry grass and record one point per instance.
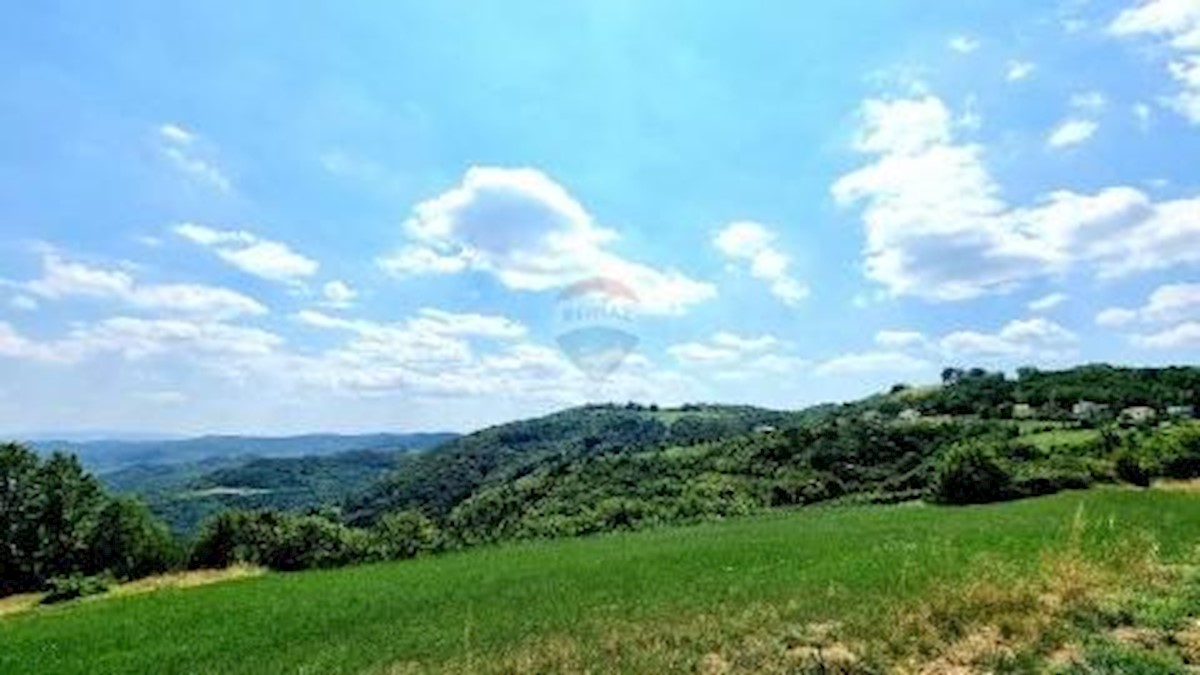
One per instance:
(15, 604)
(186, 579)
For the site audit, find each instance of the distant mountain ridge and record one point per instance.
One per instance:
(103, 456)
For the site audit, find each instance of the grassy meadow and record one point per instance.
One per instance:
(736, 596)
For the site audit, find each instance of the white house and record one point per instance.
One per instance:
(1023, 411)
(1138, 414)
(1086, 410)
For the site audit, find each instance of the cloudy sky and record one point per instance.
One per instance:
(243, 217)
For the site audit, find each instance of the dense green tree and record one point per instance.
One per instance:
(57, 522)
(18, 517)
(970, 473)
(129, 543)
(403, 534)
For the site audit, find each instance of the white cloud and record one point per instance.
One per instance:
(531, 234)
(900, 339)
(871, 362)
(1115, 316)
(271, 260)
(1184, 335)
(1035, 337)
(63, 279)
(338, 294)
(1071, 132)
(176, 134)
(723, 347)
(1091, 102)
(754, 244)
(178, 145)
(937, 228)
(23, 303)
(1047, 302)
(729, 357)
(1143, 114)
(1177, 23)
(164, 397)
(1169, 303)
(963, 44)
(1019, 70)
(135, 338)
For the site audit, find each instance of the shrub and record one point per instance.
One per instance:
(62, 589)
(1131, 469)
(970, 473)
(403, 534)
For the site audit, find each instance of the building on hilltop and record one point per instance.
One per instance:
(1138, 414)
(1186, 412)
(1088, 410)
(1023, 411)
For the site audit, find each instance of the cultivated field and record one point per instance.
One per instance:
(759, 594)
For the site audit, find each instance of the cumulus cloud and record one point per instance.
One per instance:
(134, 338)
(871, 362)
(963, 44)
(900, 339)
(1184, 335)
(754, 244)
(1071, 132)
(723, 347)
(63, 278)
(338, 294)
(729, 356)
(936, 226)
(1175, 306)
(23, 303)
(525, 229)
(1019, 70)
(1176, 24)
(1115, 316)
(271, 260)
(1047, 302)
(1037, 337)
(179, 146)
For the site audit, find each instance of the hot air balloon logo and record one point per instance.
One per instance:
(594, 318)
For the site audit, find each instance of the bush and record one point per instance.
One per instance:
(970, 473)
(62, 589)
(1176, 451)
(1131, 469)
(403, 534)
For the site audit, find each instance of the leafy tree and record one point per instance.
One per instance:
(18, 517)
(969, 473)
(403, 534)
(129, 543)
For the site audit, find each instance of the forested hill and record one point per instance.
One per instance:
(436, 481)
(103, 456)
(611, 466)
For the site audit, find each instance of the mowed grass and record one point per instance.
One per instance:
(852, 565)
(1061, 438)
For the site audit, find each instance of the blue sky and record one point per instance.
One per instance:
(246, 217)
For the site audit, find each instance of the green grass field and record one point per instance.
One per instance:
(483, 609)
(1061, 438)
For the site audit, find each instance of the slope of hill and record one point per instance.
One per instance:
(103, 456)
(599, 468)
(1046, 585)
(438, 480)
(184, 494)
